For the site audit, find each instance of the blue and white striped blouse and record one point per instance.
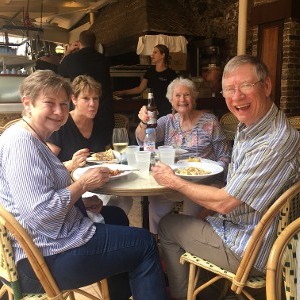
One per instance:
(33, 188)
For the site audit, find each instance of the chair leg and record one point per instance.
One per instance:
(225, 289)
(103, 288)
(192, 282)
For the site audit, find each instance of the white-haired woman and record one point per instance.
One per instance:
(197, 131)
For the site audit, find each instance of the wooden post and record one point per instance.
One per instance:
(242, 27)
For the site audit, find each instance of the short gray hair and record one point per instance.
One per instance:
(259, 67)
(185, 82)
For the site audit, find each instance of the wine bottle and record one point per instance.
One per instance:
(152, 111)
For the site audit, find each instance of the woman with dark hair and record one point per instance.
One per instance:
(156, 78)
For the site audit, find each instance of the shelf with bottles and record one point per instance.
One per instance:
(16, 64)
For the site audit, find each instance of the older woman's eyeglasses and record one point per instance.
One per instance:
(244, 88)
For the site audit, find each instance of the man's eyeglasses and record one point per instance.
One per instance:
(244, 88)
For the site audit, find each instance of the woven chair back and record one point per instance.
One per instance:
(229, 125)
(287, 209)
(121, 121)
(282, 264)
(295, 121)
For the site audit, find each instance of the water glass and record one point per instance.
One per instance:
(130, 154)
(143, 161)
(167, 155)
(164, 147)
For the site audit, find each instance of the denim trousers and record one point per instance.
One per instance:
(113, 250)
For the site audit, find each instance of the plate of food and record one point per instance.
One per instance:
(195, 159)
(196, 170)
(108, 156)
(116, 171)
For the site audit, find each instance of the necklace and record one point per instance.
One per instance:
(40, 138)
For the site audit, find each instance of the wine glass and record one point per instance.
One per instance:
(120, 140)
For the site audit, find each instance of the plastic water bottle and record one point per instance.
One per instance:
(149, 143)
(150, 139)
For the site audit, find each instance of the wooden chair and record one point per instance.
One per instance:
(8, 271)
(287, 206)
(295, 121)
(282, 263)
(8, 124)
(229, 124)
(121, 121)
(1, 129)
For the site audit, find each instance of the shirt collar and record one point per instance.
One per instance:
(261, 125)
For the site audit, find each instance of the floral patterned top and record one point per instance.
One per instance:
(206, 139)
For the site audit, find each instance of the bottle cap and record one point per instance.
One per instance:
(149, 130)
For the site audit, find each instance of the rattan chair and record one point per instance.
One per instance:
(8, 271)
(121, 121)
(8, 124)
(295, 121)
(287, 206)
(282, 264)
(229, 125)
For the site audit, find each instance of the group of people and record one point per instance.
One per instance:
(264, 160)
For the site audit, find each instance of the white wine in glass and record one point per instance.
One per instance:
(120, 140)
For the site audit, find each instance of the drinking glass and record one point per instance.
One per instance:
(120, 140)
(167, 155)
(130, 155)
(143, 161)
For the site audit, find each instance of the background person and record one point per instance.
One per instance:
(265, 161)
(82, 58)
(43, 199)
(81, 134)
(197, 131)
(157, 78)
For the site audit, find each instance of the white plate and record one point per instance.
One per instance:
(207, 165)
(79, 171)
(101, 162)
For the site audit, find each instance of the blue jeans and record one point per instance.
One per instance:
(112, 250)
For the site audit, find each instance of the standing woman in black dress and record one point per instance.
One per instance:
(157, 78)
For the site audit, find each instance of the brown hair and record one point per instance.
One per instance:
(43, 80)
(163, 49)
(87, 38)
(85, 82)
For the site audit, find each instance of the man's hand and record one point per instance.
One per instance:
(164, 175)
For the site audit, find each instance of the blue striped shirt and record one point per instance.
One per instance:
(265, 161)
(33, 185)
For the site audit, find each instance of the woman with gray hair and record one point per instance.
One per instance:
(196, 131)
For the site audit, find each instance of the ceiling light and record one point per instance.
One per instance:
(73, 4)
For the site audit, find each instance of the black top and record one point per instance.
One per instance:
(70, 139)
(158, 82)
(88, 61)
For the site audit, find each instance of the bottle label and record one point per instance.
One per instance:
(152, 117)
(149, 147)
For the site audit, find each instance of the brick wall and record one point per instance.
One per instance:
(220, 19)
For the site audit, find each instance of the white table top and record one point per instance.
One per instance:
(133, 184)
